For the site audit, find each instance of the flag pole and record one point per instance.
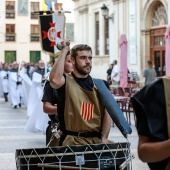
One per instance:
(19, 68)
(48, 12)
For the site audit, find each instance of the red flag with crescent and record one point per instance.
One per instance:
(52, 31)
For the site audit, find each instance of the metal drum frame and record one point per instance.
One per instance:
(115, 156)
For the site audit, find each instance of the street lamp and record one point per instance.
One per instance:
(105, 13)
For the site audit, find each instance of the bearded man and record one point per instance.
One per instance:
(82, 116)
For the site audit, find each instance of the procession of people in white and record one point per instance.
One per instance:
(20, 90)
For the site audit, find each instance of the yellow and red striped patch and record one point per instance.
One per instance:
(87, 110)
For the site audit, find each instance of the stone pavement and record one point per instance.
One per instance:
(13, 136)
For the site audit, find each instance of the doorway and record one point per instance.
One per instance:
(157, 51)
(159, 61)
(159, 21)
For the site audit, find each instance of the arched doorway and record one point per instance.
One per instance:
(157, 42)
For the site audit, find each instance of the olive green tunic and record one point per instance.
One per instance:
(83, 112)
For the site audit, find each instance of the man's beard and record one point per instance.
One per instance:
(81, 70)
(42, 67)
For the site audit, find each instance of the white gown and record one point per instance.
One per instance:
(1, 91)
(13, 92)
(38, 120)
(5, 82)
(26, 84)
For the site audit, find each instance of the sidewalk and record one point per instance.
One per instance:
(13, 136)
(116, 136)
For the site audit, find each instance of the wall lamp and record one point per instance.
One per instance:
(105, 13)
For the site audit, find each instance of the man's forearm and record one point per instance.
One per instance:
(106, 125)
(150, 151)
(49, 108)
(57, 71)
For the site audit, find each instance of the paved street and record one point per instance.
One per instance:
(13, 136)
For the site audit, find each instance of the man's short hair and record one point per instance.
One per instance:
(150, 62)
(79, 47)
(114, 61)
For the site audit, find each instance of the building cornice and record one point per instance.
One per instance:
(118, 1)
(145, 32)
(82, 9)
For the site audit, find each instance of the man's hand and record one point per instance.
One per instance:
(107, 141)
(60, 45)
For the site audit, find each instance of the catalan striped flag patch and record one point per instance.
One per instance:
(87, 110)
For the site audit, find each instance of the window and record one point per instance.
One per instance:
(35, 56)
(159, 16)
(159, 41)
(10, 9)
(34, 7)
(34, 33)
(70, 31)
(10, 32)
(23, 7)
(10, 56)
(10, 29)
(97, 47)
(106, 37)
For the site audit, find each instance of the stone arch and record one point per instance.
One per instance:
(148, 11)
(147, 14)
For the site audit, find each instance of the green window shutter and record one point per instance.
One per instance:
(10, 56)
(35, 56)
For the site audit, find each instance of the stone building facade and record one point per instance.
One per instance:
(143, 21)
(19, 29)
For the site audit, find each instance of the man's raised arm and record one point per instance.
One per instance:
(56, 75)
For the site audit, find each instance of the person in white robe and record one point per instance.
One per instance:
(38, 120)
(4, 80)
(1, 91)
(13, 87)
(26, 83)
(20, 82)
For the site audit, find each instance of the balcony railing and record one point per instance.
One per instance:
(34, 15)
(34, 37)
(10, 14)
(10, 37)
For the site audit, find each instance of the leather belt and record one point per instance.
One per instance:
(83, 134)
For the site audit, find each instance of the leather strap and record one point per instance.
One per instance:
(83, 134)
(166, 82)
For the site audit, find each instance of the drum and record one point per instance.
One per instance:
(115, 156)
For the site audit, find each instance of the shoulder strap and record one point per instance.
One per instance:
(112, 107)
(166, 82)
